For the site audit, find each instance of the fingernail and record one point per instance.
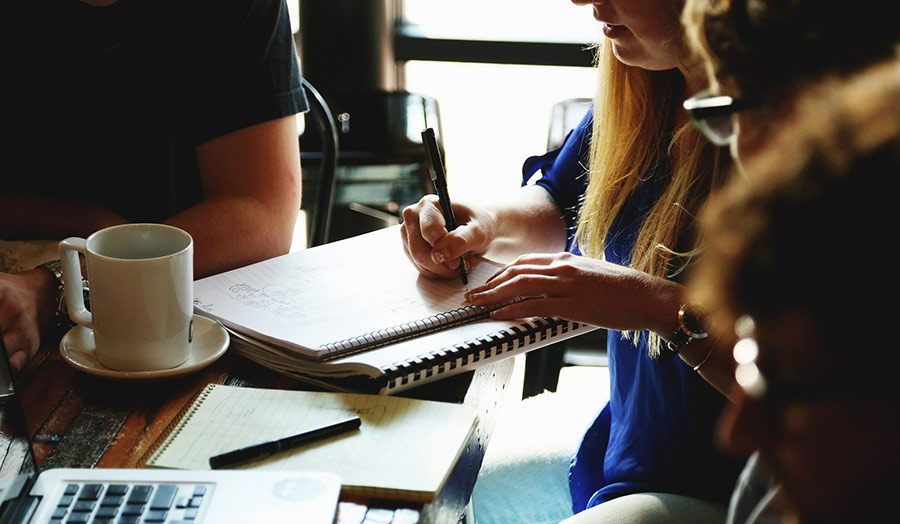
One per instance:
(437, 257)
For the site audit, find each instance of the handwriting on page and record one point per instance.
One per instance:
(313, 302)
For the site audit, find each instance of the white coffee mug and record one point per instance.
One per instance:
(141, 294)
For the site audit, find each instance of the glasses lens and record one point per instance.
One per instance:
(711, 114)
(718, 129)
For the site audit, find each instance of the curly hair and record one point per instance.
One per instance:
(812, 225)
(768, 49)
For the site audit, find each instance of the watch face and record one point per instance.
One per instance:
(695, 320)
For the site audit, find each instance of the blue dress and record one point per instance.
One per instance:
(656, 432)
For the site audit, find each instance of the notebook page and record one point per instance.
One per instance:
(405, 448)
(335, 292)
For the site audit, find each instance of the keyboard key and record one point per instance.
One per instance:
(112, 500)
(140, 494)
(165, 496)
(128, 520)
(59, 513)
(90, 492)
(117, 489)
(190, 513)
(83, 506)
(200, 490)
(71, 489)
(65, 501)
(101, 521)
(195, 501)
(78, 518)
(106, 512)
(133, 510)
(155, 515)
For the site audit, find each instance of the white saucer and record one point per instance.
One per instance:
(210, 342)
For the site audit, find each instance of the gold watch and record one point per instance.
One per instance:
(692, 322)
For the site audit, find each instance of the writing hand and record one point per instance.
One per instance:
(434, 251)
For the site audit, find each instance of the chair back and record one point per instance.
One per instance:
(319, 218)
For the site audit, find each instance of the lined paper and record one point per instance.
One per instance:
(405, 448)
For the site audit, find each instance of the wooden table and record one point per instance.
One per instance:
(77, 420)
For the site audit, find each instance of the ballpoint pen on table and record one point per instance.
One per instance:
(439, 179)
(265, 449)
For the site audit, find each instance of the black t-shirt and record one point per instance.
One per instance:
(115, 100)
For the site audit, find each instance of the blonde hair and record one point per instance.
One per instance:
(634, 119)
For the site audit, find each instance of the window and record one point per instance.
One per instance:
(522, 20)
(494, 115)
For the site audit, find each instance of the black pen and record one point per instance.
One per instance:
(263, 450)
(439, 179)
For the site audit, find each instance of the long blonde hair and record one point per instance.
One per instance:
(634, 129)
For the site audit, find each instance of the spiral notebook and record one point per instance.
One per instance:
(404, 449)
(355, 315)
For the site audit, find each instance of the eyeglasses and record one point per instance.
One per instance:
(711, 115)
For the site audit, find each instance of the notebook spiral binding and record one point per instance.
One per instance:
(406, 331)
(174, 427)
(489, 346)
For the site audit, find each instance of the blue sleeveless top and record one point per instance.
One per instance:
(656, 433)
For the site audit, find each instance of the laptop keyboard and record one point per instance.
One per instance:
(129, 504)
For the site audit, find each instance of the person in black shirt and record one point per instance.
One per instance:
(181, 112)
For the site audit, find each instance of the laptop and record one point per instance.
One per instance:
(151, 496)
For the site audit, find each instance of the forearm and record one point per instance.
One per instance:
(233, 231)
(527, 222)
(717, 366)
(251, 183)
(714, 359)
(28, 217)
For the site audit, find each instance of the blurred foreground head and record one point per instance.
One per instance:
(800, 257)
(763, 52)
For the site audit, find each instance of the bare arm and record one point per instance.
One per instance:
(603, 294)
(26, 217)
(251, 187)
(529, 222)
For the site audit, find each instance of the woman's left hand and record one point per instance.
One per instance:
(582, 289)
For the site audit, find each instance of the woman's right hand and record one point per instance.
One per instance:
(431, 248)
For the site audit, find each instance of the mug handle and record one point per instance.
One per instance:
(71, 269)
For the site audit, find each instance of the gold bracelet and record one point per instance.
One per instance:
(708, 354)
